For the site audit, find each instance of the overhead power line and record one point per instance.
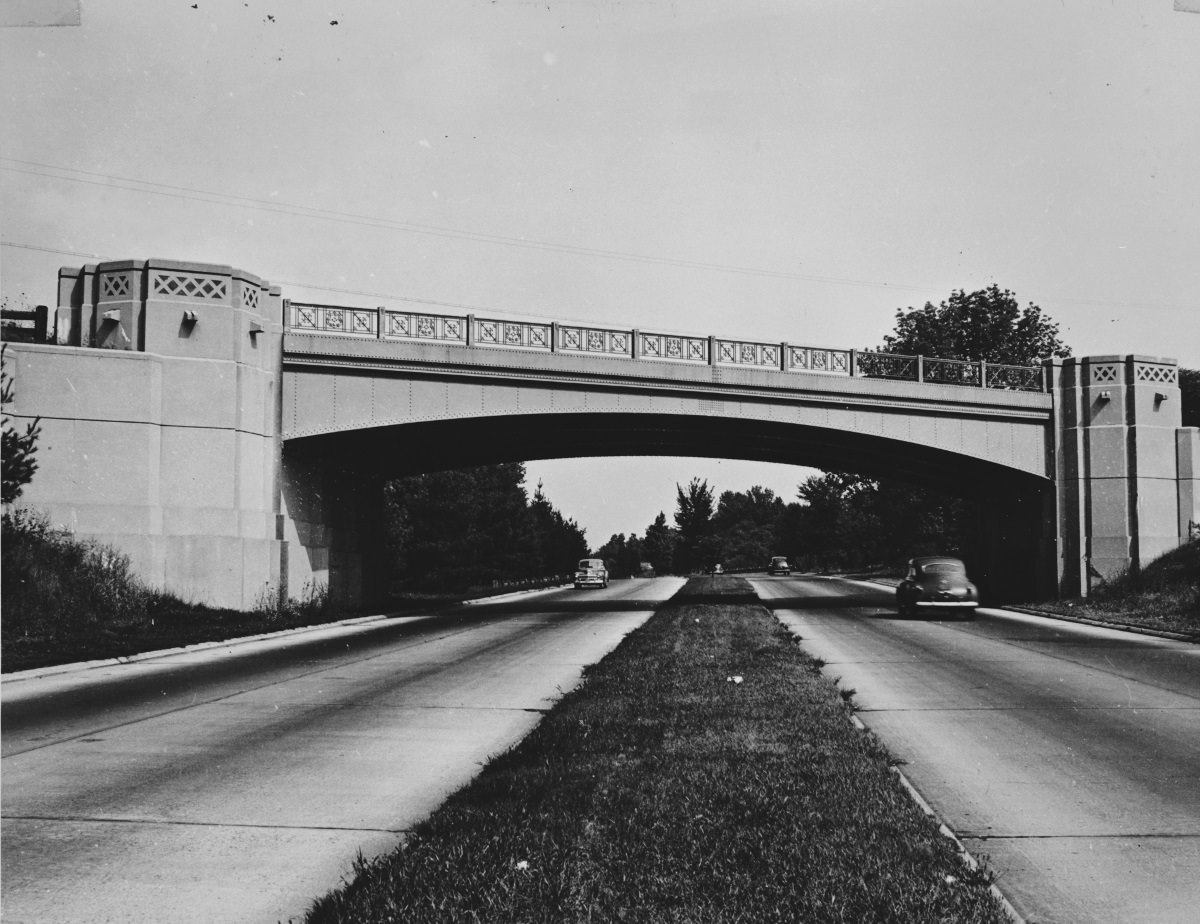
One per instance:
(366, 293)
(131, 184)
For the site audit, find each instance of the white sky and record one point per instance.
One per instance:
(768, 169)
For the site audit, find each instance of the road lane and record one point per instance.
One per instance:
(1068, 755)
(238, 785)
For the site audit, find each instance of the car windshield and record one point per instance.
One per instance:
(943, 567)
(588, 564)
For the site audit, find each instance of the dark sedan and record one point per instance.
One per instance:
(936, 582)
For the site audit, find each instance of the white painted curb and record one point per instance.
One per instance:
(965, 854)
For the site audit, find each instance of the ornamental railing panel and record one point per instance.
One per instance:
(426, 328)
(335, 319)
(673, 347)
(747, 353)
(817, 359)
(888, 366)
(1014, 378)
(526, 335)
(597, 340)
(950, 372)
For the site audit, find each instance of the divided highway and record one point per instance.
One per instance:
(238, 783)
(1067, 755)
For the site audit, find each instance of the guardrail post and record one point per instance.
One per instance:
(920, 368)
(637, 344)
(380, 314)
(712, 351)
(853, 363)
(470, 330)
(783, 356)
(983, 373)
(553, 336)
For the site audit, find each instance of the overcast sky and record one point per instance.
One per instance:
(793, 170)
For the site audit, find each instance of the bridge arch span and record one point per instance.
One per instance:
(333, 480)
(435, 445)
(232, 442)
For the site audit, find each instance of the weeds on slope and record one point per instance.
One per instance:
(1163, 595)
(703, 772)
(67, 599)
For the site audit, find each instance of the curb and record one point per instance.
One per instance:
(1082, 620)
(963, 853)
(35, 673)
(1099, 623)
(511, 594)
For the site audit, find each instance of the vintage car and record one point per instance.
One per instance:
(591, 572)
(779, 565)
(936, 582)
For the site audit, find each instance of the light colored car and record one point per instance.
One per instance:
(779, 565)
(936, 582)
(591, 572)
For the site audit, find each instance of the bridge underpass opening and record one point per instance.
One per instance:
(333, 483)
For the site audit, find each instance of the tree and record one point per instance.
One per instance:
(559, 542)
(659, 545)
(984, 325)
(838, 526)
(1189, 391)
(693, 517)
(744, 525)
(17, 461)
(623, 555)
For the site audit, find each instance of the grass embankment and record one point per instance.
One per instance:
(68, 600)
(1164, 596)
(662, 789)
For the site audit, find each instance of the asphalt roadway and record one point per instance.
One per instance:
(1067, 756)
(238, 782)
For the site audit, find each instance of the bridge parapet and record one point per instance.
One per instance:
(554, 337)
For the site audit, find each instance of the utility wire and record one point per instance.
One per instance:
(365, 293)
(130, 184)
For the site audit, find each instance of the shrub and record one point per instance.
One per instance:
(54, 582)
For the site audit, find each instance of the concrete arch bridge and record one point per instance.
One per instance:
(235, 443)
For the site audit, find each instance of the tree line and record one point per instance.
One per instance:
(467, 528)
(839, 521)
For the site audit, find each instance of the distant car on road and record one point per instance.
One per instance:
(779, 565)
(591, 572)
(716, 569)
(936, 582)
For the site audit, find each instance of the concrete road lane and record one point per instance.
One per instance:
(238, 783)
(1067, 755)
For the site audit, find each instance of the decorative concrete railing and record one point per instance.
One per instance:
(554, 337)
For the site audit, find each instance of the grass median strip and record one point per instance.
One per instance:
(704, 771)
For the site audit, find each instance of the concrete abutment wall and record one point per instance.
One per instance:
(160, 433)
(1127, 479)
